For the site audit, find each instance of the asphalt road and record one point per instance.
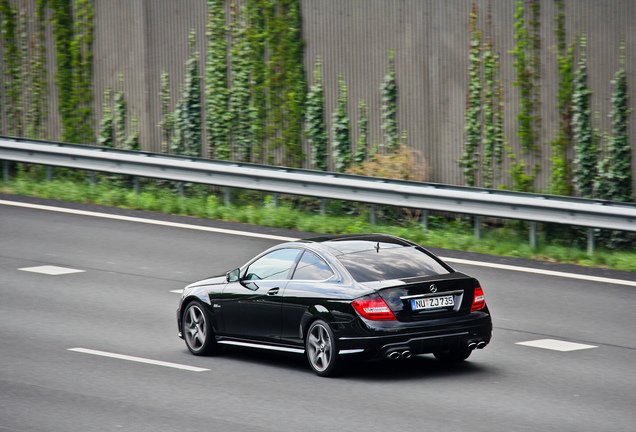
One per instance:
(121, 303)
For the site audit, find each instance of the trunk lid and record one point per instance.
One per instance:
(425, 298)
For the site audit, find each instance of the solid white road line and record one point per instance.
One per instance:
(146, 221)
(138, 359)
(281, 238)
(542, 272)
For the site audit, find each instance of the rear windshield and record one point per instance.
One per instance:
(390, 263)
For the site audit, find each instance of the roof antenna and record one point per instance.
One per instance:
(377, 247)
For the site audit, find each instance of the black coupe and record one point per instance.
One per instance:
(337, 298)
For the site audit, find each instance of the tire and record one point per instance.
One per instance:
(453, 356)
(321, 349)
(197, 330)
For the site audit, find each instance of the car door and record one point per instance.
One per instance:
(251, 307)
(313, 280)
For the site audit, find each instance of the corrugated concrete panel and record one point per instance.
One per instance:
(141, 38)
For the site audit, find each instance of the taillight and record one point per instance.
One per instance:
(374, 309)
(479, 301)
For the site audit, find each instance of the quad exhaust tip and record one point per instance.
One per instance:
(394, 355)
(477, 345)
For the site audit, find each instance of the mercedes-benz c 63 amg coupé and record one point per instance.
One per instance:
(337, 299)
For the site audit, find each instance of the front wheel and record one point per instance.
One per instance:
(197, 330)
(452, 356)
(321, 349)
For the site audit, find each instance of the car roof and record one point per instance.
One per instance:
(351, 243)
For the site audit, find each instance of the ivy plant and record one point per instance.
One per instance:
(615, 170)
(315, 125)
(187, 117)
(340, 128)
(473, 121)
(561, 175)
(167, 120)
(585, 143)
(12, 66)
(389, 91)
(362, 146)
(216, 86)
(240, 92)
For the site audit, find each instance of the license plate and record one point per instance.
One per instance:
(432, 303)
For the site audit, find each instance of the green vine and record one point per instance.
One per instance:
(561, 175)
(240, 92)
(389, 107)
(493, 139)
(216, 88)
(315, 127)
(167, 121)
(106, 132)
(256, 35)
(120, 113)
(615, 169)
(586, 149)
(73, 45)
(13, 69)
(527, 65)
(284, 79)
(470, 158)
(36, 116)
(341, 144)
(362, 147)
(187, 137)
(82, 64)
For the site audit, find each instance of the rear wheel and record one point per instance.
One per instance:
(197, 330)
(321, 349)
(452, 356)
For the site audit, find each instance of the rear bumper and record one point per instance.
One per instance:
(471, 333)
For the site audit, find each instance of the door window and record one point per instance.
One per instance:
(275, 265)
(312, 267)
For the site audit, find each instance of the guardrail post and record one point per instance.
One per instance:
(478, 227)
(424, 220)
(49, 173)
(590, 241)
(228, 196)
(374, 214)
(137, 184)
(7, 177)
(323, 206)
(93, 177)
(533, 235)
(276, 197)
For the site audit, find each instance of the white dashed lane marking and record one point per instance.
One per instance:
(556, 345)
(138, 359)
(51, 270)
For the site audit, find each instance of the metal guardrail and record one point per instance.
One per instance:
(426, 196)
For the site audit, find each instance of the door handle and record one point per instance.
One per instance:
(273, 291)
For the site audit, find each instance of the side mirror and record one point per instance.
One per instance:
(233, 276)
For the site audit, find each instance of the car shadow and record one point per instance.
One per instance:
(420, 366)
(417, 367)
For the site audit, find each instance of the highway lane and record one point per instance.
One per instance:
(121, 303)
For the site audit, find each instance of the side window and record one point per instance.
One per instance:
(312, 267)
(275, 265)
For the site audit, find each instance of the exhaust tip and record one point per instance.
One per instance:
(472, 345)
(407, 354)
(393, 355)
(481, 345)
